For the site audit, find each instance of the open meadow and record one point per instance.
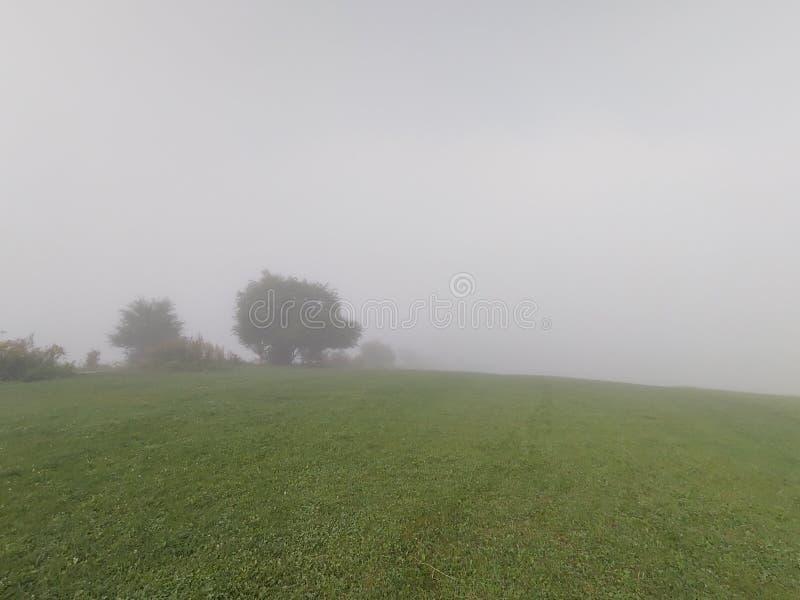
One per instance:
(300, 483)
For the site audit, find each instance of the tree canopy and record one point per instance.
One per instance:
(282, 318)
(145, 325)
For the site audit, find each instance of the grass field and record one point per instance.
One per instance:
(318, 483)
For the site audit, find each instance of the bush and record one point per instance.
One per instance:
(92, 359)
(20, 360)
(188, 354)
(375, 355)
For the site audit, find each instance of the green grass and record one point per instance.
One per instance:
(315, 483)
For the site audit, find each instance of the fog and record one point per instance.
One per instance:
(631, 168)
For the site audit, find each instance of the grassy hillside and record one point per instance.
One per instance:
(315, 483)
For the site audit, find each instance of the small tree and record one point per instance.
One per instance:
(92, 359)
(144, 325)
(280, 318)
(376, 355)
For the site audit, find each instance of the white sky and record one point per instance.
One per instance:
(632, 166)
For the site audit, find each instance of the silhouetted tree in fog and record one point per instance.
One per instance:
(92, 359)
(145, 325)
(280, 318)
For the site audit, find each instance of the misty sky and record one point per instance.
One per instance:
(630, 166)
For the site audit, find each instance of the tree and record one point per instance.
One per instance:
(92, 359)
(280, 318)
(145, 325)
(375, 355)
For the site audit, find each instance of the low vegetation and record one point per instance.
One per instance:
(22, 360)
(375, 354)
(187, 354)
(151, 334)
(299, 483)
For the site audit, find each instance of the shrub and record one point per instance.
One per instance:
(188, 354)
(21, 360)
(375, 355)
(92, 359)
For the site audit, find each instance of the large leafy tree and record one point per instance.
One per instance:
(280, 318)
(145, 325)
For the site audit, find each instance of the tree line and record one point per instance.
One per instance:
(282, 320)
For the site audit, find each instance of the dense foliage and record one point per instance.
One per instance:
(145, 325)
(283, 318)
(188, 354)
(21, 360)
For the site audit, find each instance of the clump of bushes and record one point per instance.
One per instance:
(21, 360)
(375, 355)
(187, 354)
(371, 355)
